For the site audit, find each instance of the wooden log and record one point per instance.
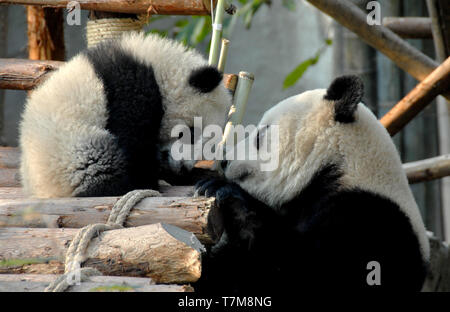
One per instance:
(185, 212)
(9, 177)
(45, 33)
(164, 7)
(416, 100)
(163, 252)
(38, 283)
(20, 74)
(428, 169)
(9, 157)
(381, 38)
(409, 27)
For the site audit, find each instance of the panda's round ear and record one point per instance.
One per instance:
(346, 92)
(205, 79)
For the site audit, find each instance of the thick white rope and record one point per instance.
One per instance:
(110, 28)
(76, 253)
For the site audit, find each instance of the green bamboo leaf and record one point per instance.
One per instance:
(298, 72)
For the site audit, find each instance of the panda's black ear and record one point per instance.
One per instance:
(205, 79)
(346, 92)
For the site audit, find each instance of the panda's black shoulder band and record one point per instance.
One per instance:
(346, 92)
(205, 79)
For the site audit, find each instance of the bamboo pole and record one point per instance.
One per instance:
(163, 7)
(223, 55)
(165, 253)
(217, 33)
(387, 42)
(38, 283)
(416, 100)
(428, 169)
(409, 27)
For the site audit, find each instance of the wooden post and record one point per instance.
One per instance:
(437, 82)
(45, 33)
(409, 27)
(402, 53)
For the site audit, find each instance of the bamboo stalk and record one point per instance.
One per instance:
(387, 42)
(163, 7)
(38, 283)
(243, 88)
(416, 100)
(163, 252)
(428, 169)
(223, 55)
(217, 33)
(409, 27)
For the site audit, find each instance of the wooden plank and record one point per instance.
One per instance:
(38, 283)
(163, 7)
(416, 100)
(409, 27)
(408, 58)
(163, 252)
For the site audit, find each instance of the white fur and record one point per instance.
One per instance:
(71, 107)
(309, 138)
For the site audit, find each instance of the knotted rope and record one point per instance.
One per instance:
(76, 253)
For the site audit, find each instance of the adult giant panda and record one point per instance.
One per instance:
(101, 124)
(336, 213)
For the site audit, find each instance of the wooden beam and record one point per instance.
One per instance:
(416, 100)
(381, 38)
(409, 27)
(38, 283)
(163, 7)
(21, 74)
(165, 253)
(428, 169)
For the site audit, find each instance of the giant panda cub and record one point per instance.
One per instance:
(337, 212)
(101, 124)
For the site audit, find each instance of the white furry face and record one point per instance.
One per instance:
(173, 64)
(310, 138)
(297, 136)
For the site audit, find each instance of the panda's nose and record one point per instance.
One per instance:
(223, 164)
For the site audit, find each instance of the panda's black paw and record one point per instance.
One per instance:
(208, 187)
